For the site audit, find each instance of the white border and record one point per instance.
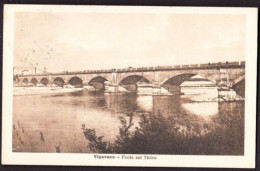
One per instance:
(246, 161)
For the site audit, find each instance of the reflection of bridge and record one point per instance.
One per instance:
(229, 74)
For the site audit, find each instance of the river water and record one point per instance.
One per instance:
(52, 123)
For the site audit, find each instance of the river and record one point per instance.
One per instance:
(53, 122)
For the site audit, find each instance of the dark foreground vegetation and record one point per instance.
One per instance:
(157, 134)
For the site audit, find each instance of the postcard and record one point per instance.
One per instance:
(129, 86)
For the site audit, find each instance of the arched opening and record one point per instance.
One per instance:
(25, 80)
(130, 82)
(34, 81)
(184, 82)
(197, 81)
(16, 79)
(239, 88)
(76, 82)
(98, 82)
(58, 81)
(44, 81)
(178, 79)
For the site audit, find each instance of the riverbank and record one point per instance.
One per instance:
(19, 91)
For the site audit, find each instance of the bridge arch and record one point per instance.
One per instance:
(130, 82)
(177, 80)
(98, 82)
(16, 78)
(25, 80)
(76, 81)
(44, 81)
(34, 81)
(133, 79)
(174, 84)
(239, 86)
(238, 80)
(58, 81)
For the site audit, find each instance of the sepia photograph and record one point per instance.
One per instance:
(129, 86)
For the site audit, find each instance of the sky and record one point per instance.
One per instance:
(87, 41)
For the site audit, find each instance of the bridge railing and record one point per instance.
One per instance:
(155, 68)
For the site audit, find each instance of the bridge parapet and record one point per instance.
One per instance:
(147, 69)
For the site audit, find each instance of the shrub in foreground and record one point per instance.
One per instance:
(157, 134)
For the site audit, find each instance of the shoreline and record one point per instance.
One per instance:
(21, 91)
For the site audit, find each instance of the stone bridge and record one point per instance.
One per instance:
(227, 74)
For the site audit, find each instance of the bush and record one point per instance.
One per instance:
(157, 134)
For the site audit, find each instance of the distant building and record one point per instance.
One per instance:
(28, 70)
(24, 70)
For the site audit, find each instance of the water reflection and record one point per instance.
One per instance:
(209, 108)
(145, 102)
(167, 105)
(59, 117)
(199, 94)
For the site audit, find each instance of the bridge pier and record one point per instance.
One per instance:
(156, 90)
(85, 83)
(171, 89)
(49, 85)
(66, 84)
(115, 89)
(228, 94)
(143, 89)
